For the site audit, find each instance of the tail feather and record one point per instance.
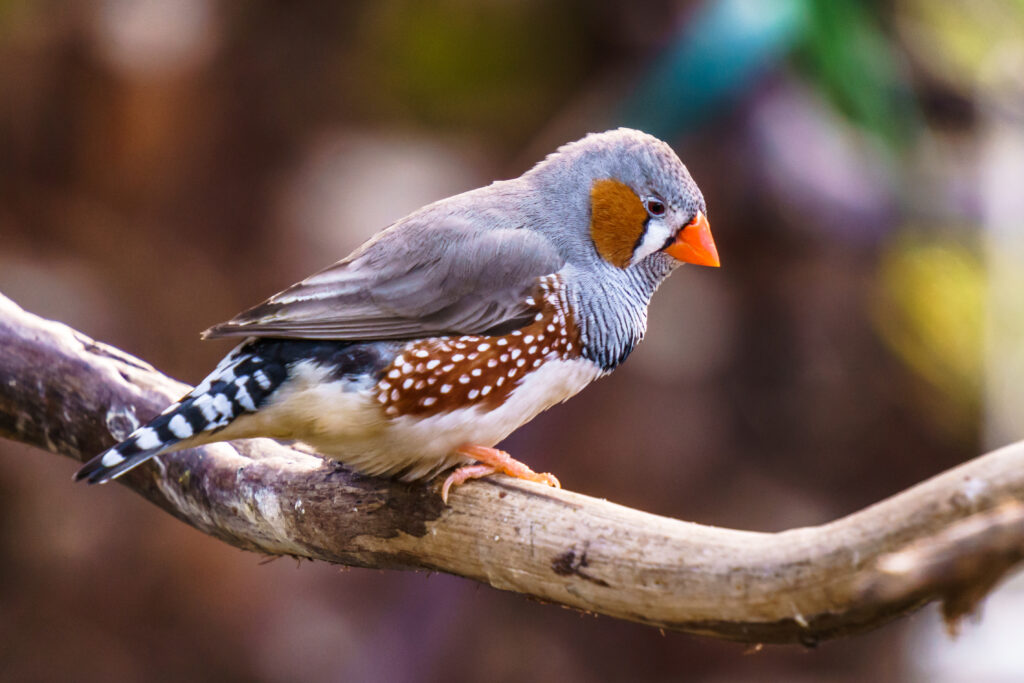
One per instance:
(181, 422)
(240, 384)
(143, 444)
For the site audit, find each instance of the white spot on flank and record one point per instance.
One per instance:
(532, 350)
(483, 347)
(433, 364)
(407, 383)
(447, 368)
(492, 362)
(473, 393)
(528, 339)
(428, 401)
(420, 384)
(538, 317)
(516, 353)
(475, 372)
(502, 341)
(472, 356)
(421, 353)
(521, 362)
(464, 379)
(445, 388)
(394, 394)
(486, 390)
(394, 373)
(457, 357)
(550, 328)
(501, 380)
(504, 358)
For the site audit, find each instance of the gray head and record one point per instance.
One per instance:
(620, 196)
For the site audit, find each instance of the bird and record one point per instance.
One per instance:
(445, 332)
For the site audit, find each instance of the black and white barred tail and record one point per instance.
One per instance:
(240, 384)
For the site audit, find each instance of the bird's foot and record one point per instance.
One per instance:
(492, 460)
(462, 475)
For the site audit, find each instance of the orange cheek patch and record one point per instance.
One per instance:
(617, 219)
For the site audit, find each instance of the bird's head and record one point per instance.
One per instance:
(639, 198)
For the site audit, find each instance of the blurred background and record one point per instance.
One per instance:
(165, 164)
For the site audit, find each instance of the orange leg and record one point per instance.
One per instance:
(464, 474)
(492, 460)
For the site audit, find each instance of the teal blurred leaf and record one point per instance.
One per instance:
(716, 56)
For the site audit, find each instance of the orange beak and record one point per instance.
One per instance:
(694, 243)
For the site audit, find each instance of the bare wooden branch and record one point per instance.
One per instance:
(64, 392)
(961, 563)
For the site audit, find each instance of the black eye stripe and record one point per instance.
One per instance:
(669, 241)
(643, 234)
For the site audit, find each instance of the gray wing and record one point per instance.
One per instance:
(413, 280)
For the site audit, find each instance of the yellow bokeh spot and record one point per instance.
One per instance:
(931, 312)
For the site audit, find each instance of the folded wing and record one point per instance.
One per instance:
(413, 280)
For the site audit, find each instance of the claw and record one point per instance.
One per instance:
(492, 460)
(462, 475)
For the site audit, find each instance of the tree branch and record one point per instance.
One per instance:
(945, 539)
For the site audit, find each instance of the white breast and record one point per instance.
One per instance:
(424, 445)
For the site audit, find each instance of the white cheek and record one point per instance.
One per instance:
(654, 239)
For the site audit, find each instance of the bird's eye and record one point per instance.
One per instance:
(655, 206)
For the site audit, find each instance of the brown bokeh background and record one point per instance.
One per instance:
(165, 164)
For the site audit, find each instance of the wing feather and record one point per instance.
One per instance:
(413, 280)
